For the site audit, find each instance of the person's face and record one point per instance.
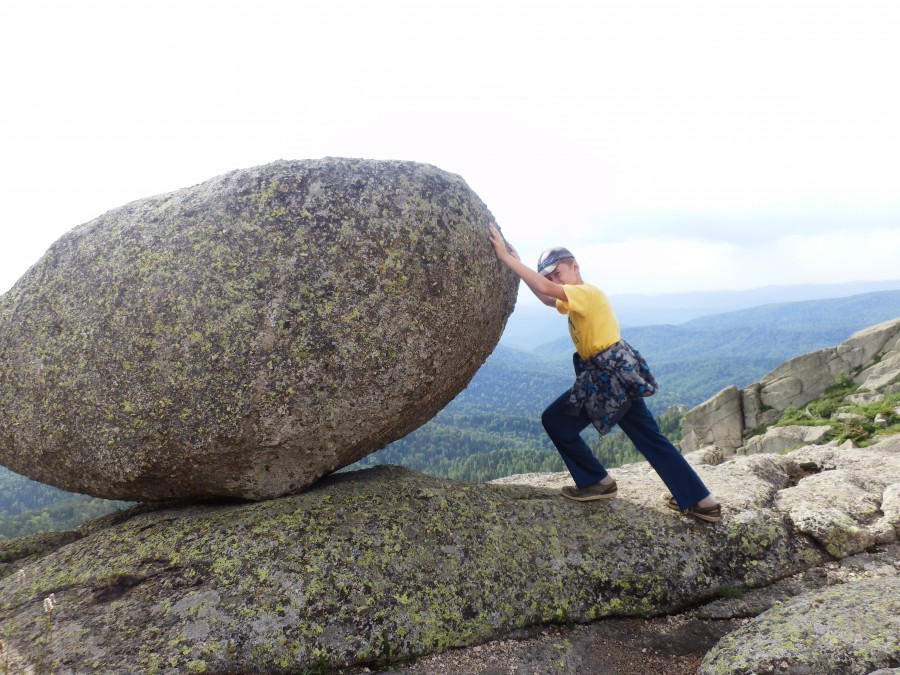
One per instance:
(566, 272)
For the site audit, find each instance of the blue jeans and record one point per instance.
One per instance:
(638, 424)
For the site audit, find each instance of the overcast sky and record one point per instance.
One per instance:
(673, 146)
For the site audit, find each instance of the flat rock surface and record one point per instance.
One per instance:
(388, 564)
(672, 645)
(850, 628)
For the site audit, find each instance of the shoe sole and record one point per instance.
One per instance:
(592, 498)
(690, 512)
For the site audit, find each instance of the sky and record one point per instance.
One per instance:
(672, 146)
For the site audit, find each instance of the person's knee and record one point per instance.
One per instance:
(547, 420)
(554, 424)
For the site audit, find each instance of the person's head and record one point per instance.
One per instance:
(559, 266)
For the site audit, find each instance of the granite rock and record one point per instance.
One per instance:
(246, 336)
(850, 628)
(387, 564)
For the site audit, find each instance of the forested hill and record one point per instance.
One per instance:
(27, 507)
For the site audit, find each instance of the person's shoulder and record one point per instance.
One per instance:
(588, 289)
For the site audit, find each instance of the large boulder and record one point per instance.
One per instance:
(384, 563)
(245, 336)
(717, 421)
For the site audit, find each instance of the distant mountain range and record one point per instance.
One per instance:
(533, 324)
(697, 358)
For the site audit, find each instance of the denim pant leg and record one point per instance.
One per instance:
(564, 430)
(679, 476)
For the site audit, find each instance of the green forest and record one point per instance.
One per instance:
(492, 428)
(28, 507)
(481, 448)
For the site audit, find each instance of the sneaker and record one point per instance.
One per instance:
(591, 492)
(709, 514)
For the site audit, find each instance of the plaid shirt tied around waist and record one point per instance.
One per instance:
(607, 382)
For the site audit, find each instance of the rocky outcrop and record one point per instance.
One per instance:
(849, 498)
(387, 564)
(718, 421)
(850, 628)
(870, 358)
(779, 439)
(245, 336)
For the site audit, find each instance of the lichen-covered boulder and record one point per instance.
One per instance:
(381, 564)
(245, 336)
(850, 628)
(387, 564)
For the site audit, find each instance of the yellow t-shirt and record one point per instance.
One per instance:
(592, 324)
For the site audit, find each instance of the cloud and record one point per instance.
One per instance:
(659, 265)
(751, 226)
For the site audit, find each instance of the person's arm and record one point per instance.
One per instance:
(546, 291)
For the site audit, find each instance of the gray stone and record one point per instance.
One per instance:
(851, 501)
(801, 380)
(865, 397)
(710, 455)
(849, 417)
(850, 628)
(385, 562)
(388, 564)
(880, 563)
(780, 439)
(884, 376)
(870, 357)
(245, 336)
(718, 421)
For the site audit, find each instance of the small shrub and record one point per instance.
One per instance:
(808, 416)
(854, 431)
(883, 407)
(843, 386)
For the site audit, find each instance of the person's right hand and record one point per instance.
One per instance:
(501, 247)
